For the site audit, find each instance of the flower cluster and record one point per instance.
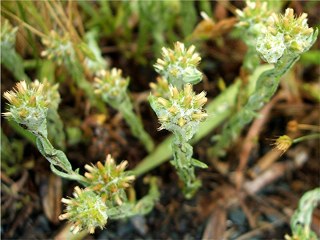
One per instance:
(253, 20)
(103, 198)
(27, 105)
(109, 179)
(50, 92)
(111, 85)
(179, 66)
(7, 35)
(286, 35)
(182, 112)
(160, 88)
(58, 48)
(85, 211)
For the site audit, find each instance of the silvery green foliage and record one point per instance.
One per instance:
(271, 47)
(62, 50)
(104, 196)
(27, 106)
(301, 220)
(92, 207)
(58, 48)
(179, 66)
(283, 31)
(113, 89)
(286, 35)
(93, 60)
(86, 211)
(252, 21)
(182, 112)
(55, 124)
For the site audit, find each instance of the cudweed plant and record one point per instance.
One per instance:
(55, 128)
(286, 38)
(112, 87)
(252, 22)
(180, 110)
(179, 65)
(9, 57)
(302, 217)
(28, 106)
(61, 49)
(103, 195)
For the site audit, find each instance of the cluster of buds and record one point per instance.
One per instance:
(109, 179)
(50, 91)
(253, 19)
(58, 48)
(86, 211)
(181, 112)
(7, 35)
(285, 35)
(28, 105)
(160, 88)
(179, 66)
(111, 85)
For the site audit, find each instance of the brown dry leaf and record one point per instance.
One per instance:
(249, 141)
(217, 224)
(51, 199)
(208, 29)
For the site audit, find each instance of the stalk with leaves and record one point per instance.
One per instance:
(113, 89)
(62, 50)
(286, 38)
(9, 57)
(301, 220)
(103, 195)
(180, 109)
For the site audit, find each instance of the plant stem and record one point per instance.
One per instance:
(266, 86)
(134, 122)
(307, 137)
(221, 108)
(182, 161)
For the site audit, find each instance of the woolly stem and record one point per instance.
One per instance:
(182, 161)
(266, 87)
(134, 122)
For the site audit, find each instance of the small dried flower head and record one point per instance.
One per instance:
(50, 91)
(252, 20)
(27, 105)
(292, 126)
(179, 66)
(160, 88)
(111, 85)
(86, 211)
(283, 143)
(109, 179)
(58, 48)
(7, 35)
(286, 35)
(182, 112)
